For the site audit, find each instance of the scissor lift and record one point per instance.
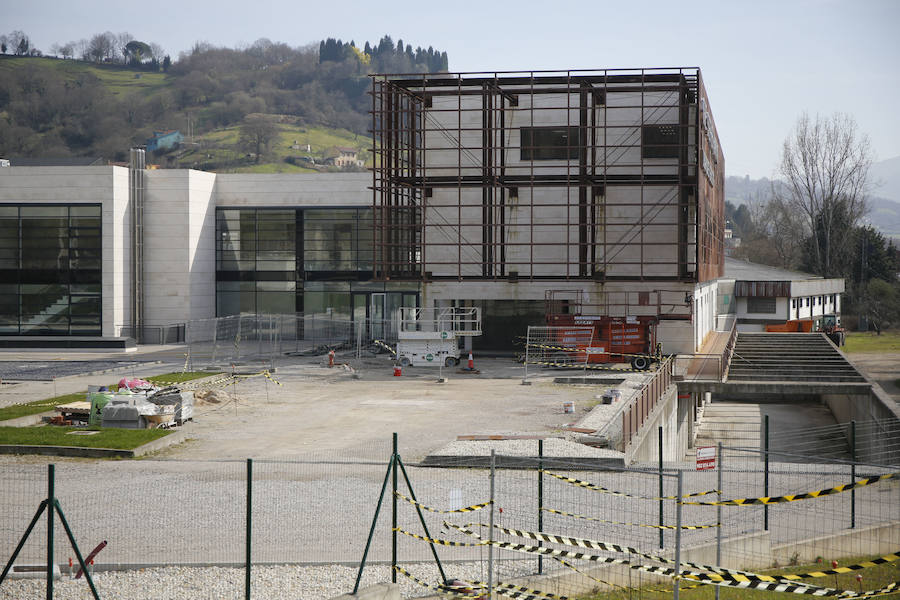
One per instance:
(430, 336)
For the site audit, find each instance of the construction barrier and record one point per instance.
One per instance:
(381, 344)
(573, 515)
(718, 575)
(804, 496)
(599, 488)
(472, 508)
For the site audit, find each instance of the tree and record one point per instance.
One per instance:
(257, 132)
(100, 47)
(882, 303)
(135, 52)
(825, 166)
(67, 50)
(18, 42)
(166, 63)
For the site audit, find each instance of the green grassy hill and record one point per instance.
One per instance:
(218, 150)
(126, 104)
(117, 79)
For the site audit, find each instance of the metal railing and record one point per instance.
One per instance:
(646, 400)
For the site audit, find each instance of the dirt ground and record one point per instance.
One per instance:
(335, 413)
(329, 411)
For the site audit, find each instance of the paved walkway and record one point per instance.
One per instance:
(706, 363)
(148, 360)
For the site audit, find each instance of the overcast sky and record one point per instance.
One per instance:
(764, 61)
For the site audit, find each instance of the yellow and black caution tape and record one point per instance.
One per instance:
(438, 541)
(881, 560)
(581, 366)
(472, 508)
(385, 346)
(804, 496)
(718, 575)
(592, 545)
(800, 588)
(722, 577)
(443, 589)
(568, 514)
(599, 488)
(585, 349)
(270, 378)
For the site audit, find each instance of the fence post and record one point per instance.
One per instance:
(51, 506)
(249, 528)
(853, 474)
(394, 512)
(678, 533)
(719, 468)
(491, 533)
(661, 488)
(766, 475)
(540, 495)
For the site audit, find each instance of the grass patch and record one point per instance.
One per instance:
(117, 79)
(873, 578)
(38, 406)
(180, 377)
(866, 341)
(113, 438)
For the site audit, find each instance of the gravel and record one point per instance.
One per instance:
(267, 583)
(552, 447)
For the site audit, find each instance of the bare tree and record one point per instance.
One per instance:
(825, 167)
(18, 43)
(67, 50)
(157, 50)
(122, 40)
(102, 47)
(257, 132)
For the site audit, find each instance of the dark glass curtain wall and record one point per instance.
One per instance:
(50, 270)
(274, 261)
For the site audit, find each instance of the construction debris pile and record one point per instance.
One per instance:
(137, 404)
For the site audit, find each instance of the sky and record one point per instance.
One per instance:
(764, 62)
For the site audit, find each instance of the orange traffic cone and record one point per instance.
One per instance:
(471, 362)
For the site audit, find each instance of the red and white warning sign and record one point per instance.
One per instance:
(706, 457)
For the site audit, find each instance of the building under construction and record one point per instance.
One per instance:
(538, 193)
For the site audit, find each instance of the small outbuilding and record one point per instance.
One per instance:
(759, 295)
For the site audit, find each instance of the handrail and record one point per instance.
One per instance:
(645, 401)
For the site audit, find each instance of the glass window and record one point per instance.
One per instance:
(761, 305)
(660, 141)
(549, 143)
(54, 252)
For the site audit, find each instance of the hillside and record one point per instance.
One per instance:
(217, 150)
(884, 210)
(311, 95)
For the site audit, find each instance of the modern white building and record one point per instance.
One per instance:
(595, 192)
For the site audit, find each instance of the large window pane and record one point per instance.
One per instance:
(54, 252)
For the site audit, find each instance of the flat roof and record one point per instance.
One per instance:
(747, 271)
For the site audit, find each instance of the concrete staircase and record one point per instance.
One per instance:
(732, 423)
(789, 357)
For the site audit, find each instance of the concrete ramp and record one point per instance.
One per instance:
(789, 357)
